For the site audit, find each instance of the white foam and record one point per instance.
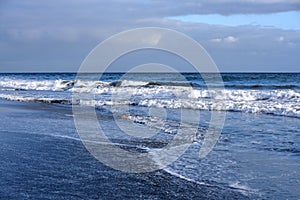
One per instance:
(126, 83)
(15, 98)
(21, 98)
(51, 85)
(245, 190)
(185, 178)
(27, 84)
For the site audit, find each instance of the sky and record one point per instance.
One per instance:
(240, 36)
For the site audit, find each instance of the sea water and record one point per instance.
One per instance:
(256, 156)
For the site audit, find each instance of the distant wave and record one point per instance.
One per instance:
(65, 85)
(23, 84)
(258, 87)
(130, 83)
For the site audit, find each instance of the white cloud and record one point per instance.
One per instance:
(216, 40)
(280, 39)
(231, 39)
(153, 40)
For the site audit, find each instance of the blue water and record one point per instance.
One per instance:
(256, 156)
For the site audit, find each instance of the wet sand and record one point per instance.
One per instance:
(38, 162)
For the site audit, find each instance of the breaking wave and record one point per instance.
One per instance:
(275, 99)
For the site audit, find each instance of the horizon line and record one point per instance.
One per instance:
(116, 72)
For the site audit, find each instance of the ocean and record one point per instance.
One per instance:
(256, 155)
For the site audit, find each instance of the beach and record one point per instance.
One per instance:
(42, 158)
(150, 99)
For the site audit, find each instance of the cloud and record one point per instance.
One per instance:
(228, 39)
(217, 40)
(25, 34)
(68, 29)
(231, 39)
(227, 7)
(280, 39)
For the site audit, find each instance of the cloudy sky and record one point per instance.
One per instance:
(248, 35)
